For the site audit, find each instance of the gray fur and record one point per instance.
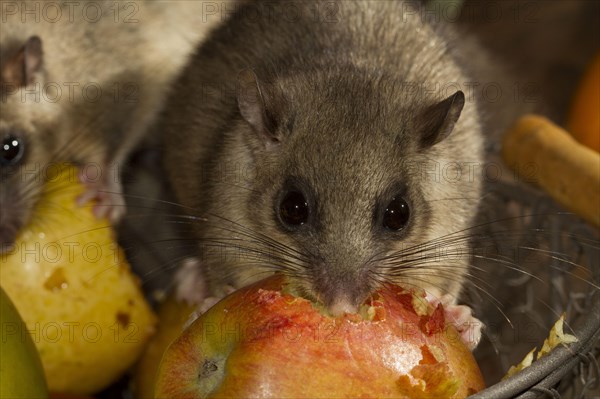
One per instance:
(349, 127)
(132, 55)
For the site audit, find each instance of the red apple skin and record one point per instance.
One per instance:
(262, 343)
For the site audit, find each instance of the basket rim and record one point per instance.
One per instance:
(546, 371)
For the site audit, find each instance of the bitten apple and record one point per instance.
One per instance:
(262, 341)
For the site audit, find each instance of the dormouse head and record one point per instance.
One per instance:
(345, 189)
(26, 134)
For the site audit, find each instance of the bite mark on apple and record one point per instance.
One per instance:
(430, 381)
(435, 323)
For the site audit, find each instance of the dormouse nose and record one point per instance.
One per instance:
(341, 272)
(340, 306)
(341, 295)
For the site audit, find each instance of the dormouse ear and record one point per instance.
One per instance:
(21, 68)
(440, 119)
(253, 103)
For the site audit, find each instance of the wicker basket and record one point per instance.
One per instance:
(554, 269)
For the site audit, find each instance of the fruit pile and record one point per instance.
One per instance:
(74, 320)
(84, 322)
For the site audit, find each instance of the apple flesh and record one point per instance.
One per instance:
(263, 342)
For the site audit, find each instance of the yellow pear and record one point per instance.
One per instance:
(74, 289)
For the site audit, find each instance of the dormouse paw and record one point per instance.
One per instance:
(190, 284)
(107, 194)
(205, 304)
(210, 301)
(461, 317)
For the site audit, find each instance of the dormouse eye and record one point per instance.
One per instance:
(293, 209)
(396, 214)
(12, 151)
